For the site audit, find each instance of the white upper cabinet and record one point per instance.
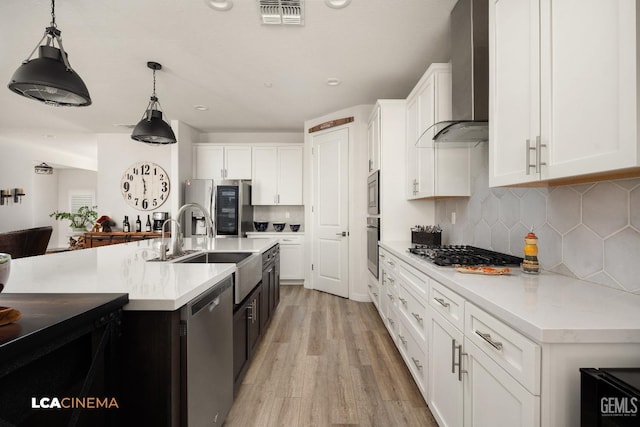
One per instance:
(373, 139)
(222, 162)
(433, 171)
(277, 176)
(563, 89)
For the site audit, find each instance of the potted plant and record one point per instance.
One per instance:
(85, 216)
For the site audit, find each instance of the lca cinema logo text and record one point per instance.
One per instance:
(619, 406)
(74, 403)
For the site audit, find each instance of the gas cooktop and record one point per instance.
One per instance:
(448, 255)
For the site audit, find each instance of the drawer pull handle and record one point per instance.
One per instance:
(403, 301)
(495, 344)
(403, 339)
(391, 263)
(370, 287)
(442, 302)
(375, 295)
(390, 297)
(417, 363)
(417, 316)
(381, 255)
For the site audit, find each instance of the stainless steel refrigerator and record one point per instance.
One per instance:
(228, 202)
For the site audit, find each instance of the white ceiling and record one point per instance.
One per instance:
(377, 48)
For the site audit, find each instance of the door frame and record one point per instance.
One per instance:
(358, 174)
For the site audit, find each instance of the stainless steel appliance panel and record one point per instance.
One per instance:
(373, 236)
(373, 193)
(198, 191)
(209, 355)
(233, 211)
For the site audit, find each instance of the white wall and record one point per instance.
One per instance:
(253, 137)
(182, 159)
(116, 152)
(358, 173)
(19, 153)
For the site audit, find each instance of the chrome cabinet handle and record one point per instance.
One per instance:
(455, 347)
(442, 302)
(403, 339)
(528, 164)
(381, 255)
(539, 162)
(370, 287)
(495, 344)
(278, 198)
(417, 363)
(417, 316)
(375, 294)
(390, 297)
(343, 234)
(391, 321)
(403, 301)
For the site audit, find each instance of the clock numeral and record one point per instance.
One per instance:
(126, 186)
(155, 202)
(162, 197)
(165, 186)
(129, 196)
(161, 177)
(145, 204)
(129, 177)
(136, 201)
(146, 169)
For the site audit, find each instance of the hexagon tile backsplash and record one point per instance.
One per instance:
(588, 231)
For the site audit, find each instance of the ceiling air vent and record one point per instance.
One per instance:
(281, 12)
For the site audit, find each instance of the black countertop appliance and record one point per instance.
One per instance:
(610, 397)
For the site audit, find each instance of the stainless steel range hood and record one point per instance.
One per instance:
(470, 79)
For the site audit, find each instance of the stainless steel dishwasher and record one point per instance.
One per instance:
(207, 327)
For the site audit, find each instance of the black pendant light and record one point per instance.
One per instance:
(49, 78)
(151, 128)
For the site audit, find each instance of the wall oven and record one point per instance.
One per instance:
(373, 236)
(373, 193)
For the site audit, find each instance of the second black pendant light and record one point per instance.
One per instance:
(152, 129)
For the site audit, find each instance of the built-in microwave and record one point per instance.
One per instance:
(373, 193)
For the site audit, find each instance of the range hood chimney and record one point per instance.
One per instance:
(469, 76)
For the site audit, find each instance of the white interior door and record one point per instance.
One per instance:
(331, 212)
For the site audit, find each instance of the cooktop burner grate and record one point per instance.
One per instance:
(448, 255)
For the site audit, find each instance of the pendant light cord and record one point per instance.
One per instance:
(53, 14)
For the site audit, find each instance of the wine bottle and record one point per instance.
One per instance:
(138, 225)
(148, 226)
(125, 225)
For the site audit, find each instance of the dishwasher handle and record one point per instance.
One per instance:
(209, 299)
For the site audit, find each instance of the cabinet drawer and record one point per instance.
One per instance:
(388, 261)
(415, 281)
(515, 353)
(374, 291)
(291, 240)
(447, 303)
(413, 309)
(414, 355)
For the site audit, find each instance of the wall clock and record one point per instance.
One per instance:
(145, 186)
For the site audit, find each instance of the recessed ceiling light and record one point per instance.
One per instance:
(221, 5)
(201, 107)
(337, 4)
(332, 81)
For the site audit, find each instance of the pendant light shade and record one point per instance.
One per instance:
(152, 129)
(50, 78)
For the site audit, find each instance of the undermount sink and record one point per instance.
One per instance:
(217, 257)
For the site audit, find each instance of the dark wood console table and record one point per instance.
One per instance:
(95, 239)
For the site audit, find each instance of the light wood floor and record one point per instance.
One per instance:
(327, 361)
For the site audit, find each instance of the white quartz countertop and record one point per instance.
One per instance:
(548, 307)
(124, 268)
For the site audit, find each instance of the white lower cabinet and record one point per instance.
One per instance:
(445, 380)
(492, 397)
(291, 254)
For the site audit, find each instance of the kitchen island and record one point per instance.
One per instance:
(155, 334)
